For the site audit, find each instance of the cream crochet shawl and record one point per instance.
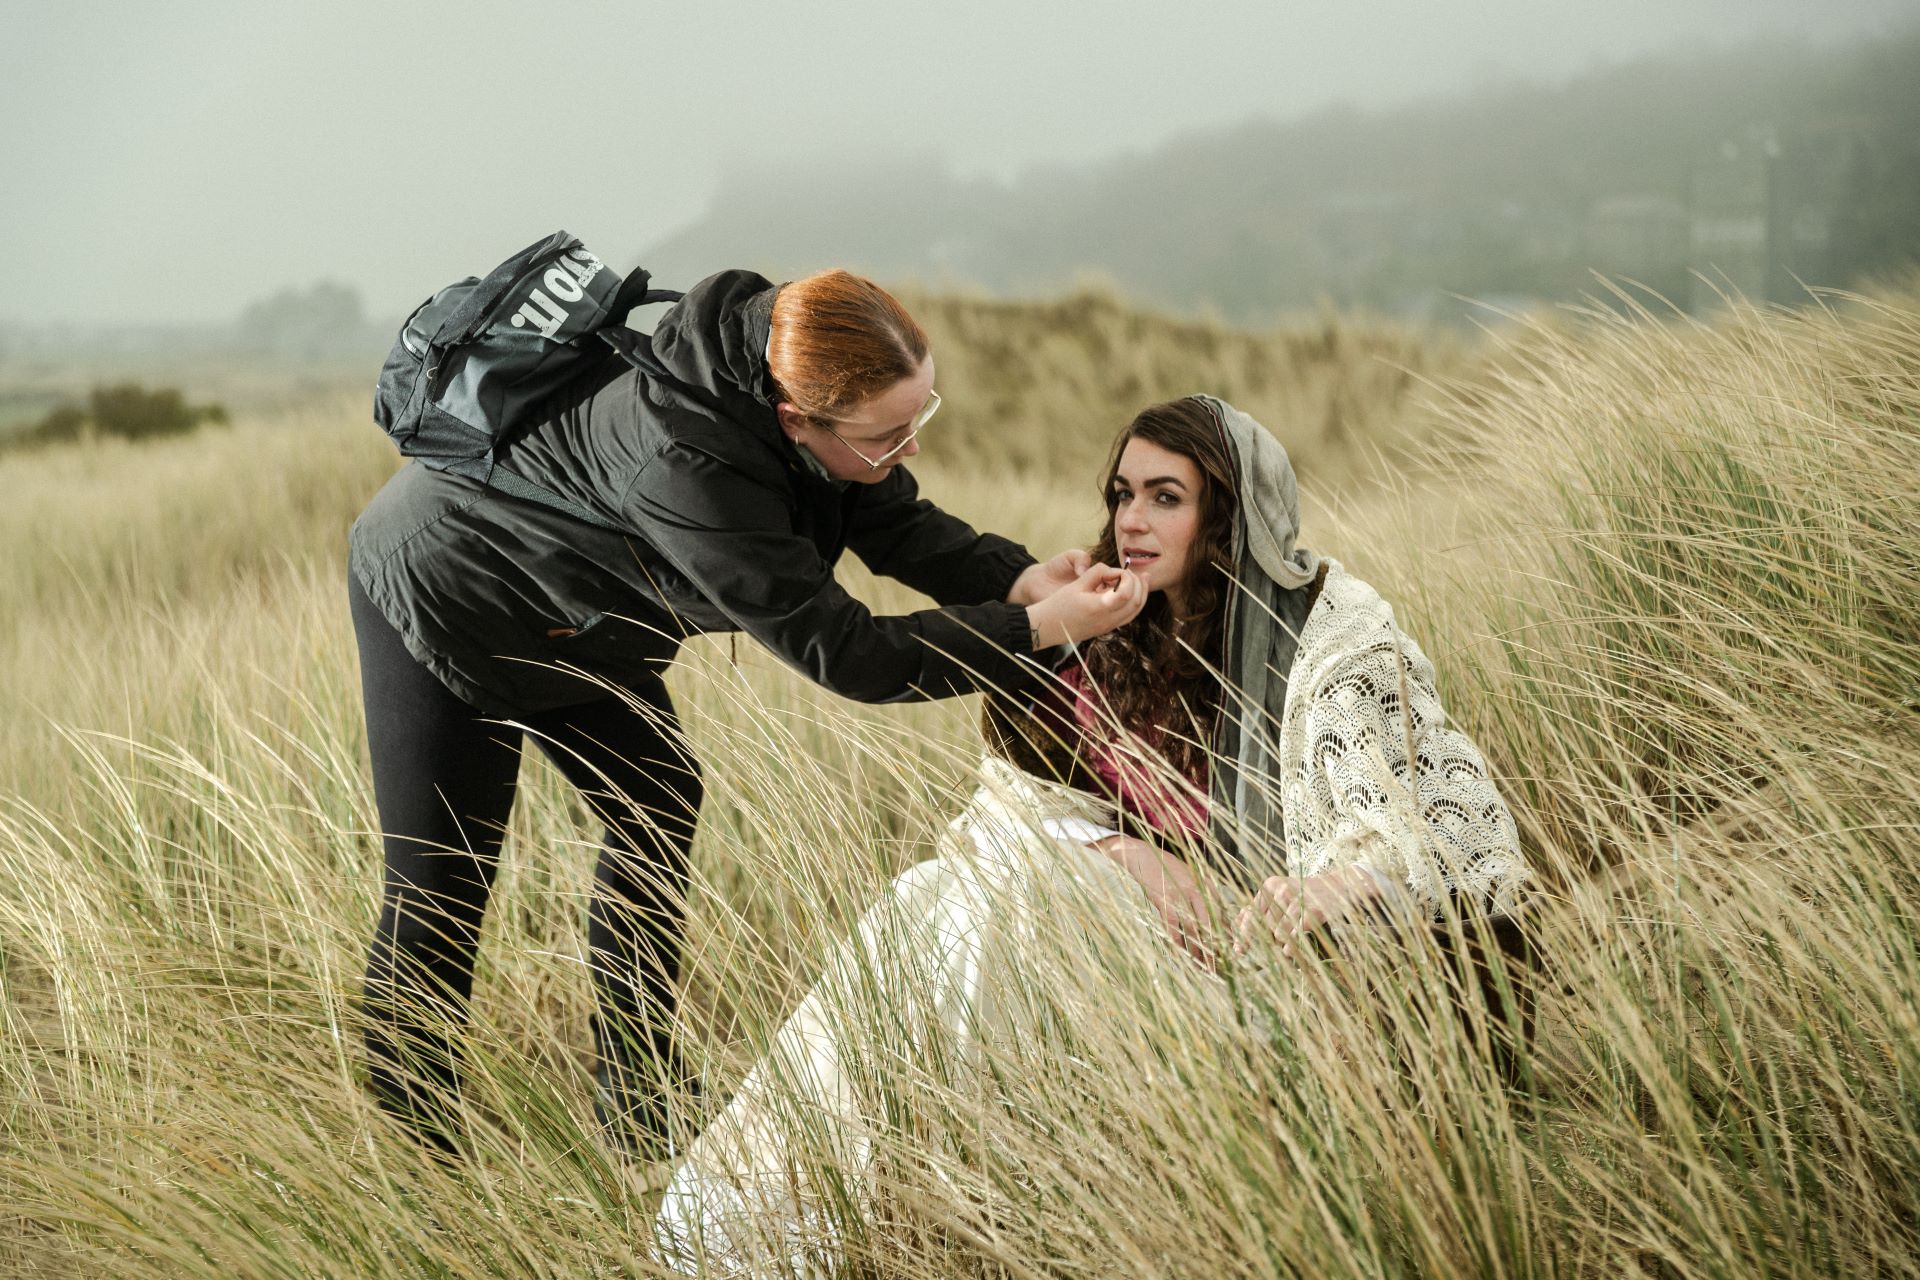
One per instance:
(1371, 769)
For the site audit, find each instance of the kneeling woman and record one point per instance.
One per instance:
(1323, 774)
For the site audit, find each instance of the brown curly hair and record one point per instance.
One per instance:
(1157, 673)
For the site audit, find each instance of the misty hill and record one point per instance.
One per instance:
(1766, 165)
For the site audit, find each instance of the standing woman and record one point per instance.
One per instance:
(721, 496)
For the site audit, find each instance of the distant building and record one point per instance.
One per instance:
(1728, 210)
(1642, 240)
(1812, 185)
(1762, 213)
(1355, 235)
(1640, 237)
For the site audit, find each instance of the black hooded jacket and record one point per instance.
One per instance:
(724, 529)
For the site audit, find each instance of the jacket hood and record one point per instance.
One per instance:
(715, 340)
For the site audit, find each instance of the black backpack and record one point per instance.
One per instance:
(476, 358)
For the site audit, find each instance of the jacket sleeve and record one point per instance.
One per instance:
(898, 533)
(733, 538)
(1433, 821)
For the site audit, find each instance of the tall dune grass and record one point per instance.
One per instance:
(1667, 574)
(1042, 386)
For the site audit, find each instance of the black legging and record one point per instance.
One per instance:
(444, 778)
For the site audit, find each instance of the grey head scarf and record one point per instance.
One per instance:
(1268, 602)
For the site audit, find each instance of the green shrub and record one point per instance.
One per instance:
(131, 411)
(127, 411)
(62, 423)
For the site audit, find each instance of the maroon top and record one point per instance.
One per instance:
(1141, 784)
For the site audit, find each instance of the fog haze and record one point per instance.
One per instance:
(176, 162)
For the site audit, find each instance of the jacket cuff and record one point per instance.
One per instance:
(1011, 561)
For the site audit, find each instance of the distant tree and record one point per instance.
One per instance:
(324, 320)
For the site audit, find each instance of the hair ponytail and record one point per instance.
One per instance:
(838, 339)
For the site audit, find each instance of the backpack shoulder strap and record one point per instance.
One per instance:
(634, 347)
(634, 292)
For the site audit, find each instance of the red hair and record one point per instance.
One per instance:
(838, 339)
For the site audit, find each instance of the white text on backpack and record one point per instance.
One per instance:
(567, 280)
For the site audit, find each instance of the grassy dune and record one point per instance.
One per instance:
(1668, 577)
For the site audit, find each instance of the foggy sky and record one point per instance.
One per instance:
(176, 160)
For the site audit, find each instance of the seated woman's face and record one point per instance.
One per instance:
(1156, 513)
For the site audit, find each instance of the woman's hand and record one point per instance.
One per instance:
(1093, 604)
(1172, 891)
(1038, 581)
(1288, 906)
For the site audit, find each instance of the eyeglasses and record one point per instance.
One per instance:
(912, 429)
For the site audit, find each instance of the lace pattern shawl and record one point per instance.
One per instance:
(1360, 693)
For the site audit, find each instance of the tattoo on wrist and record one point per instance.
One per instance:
(1033, 638)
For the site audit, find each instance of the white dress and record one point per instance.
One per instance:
(940, 953)
(934, 954)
